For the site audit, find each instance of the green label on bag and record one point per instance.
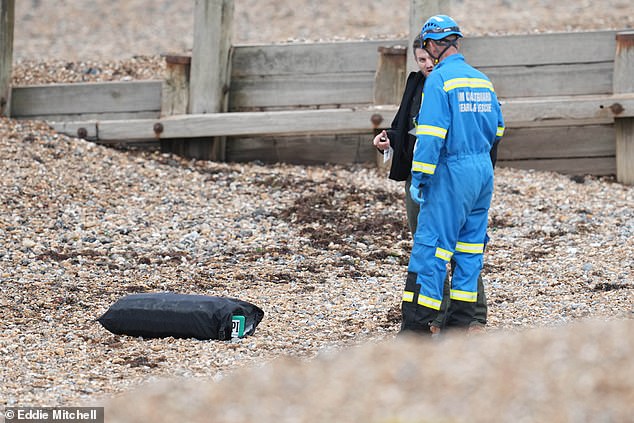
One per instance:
(237, 326)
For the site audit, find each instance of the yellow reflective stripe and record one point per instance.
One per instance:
(469, 297)
(428, 302)
(435, 131)
(443, 254)
(500, 131)
(408, 296)
(423, 167)
(465, 247)
(452, 84)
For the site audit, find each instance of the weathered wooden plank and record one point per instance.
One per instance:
(7, 17)
(289, 75)
(527, 111)
(576, 166)
(83, 117)
(247, 123)
(499, 51)
(227, 124)
(306, 149)
(355, 88)
(557, 142)
(102, 97)
(551, 80)
(301, 90)
(517, 112)
(86, 129)
(540, 49)
(308, 58)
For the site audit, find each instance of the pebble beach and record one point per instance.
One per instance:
(323, 250)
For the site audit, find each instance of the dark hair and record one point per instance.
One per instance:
(418, 42)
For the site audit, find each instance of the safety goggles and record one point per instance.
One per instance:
(441, 42)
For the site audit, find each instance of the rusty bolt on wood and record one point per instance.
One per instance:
(82, 133)
(158, 128)
(376, 119)
(616, 108)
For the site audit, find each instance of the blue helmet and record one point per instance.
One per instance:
(438, 27)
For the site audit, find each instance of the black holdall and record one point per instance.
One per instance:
(164, 314)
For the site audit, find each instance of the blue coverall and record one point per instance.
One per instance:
(459, 121)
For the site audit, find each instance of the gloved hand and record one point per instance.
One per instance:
(417, 194)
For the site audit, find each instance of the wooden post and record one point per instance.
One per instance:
(210, 69)
(210, 55)
(175, 97)
(623, 83)
(420, 11)
(389, 83)
(389, 80)
(7, 15)
(175, 87)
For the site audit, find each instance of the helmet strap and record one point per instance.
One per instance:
(436, 58)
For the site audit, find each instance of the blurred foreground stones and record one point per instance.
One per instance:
(583, 372)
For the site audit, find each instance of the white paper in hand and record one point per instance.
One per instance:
(387, 154)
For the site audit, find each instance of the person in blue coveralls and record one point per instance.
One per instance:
(459, 125)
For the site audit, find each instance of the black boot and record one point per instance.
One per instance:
(416, 318)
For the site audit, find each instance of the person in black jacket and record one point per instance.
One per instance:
(398, 136)
(400, 139)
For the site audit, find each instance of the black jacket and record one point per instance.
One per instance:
(400, 140)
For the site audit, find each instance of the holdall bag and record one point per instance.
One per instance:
(159, 315)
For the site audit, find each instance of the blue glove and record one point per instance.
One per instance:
(417, 194)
